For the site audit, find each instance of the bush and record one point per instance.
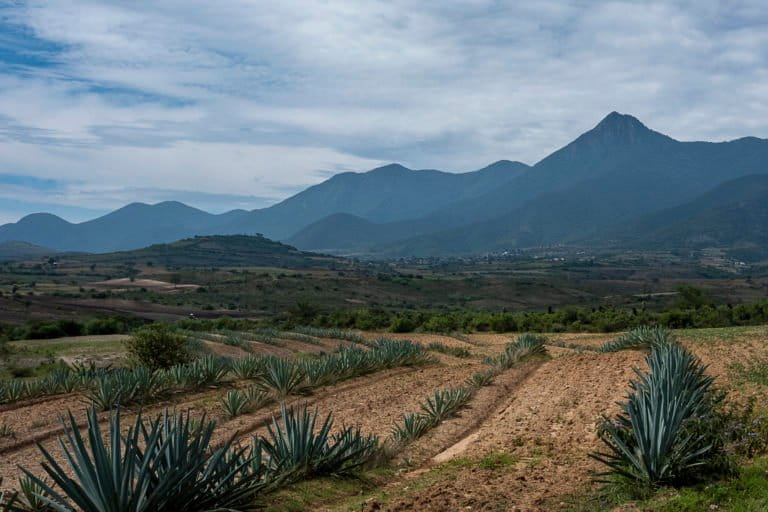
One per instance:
(157, 346)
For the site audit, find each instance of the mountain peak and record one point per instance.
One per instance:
(617, 128)
(390, 169)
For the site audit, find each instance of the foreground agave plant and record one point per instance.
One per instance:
(652, 441)
(154, 466)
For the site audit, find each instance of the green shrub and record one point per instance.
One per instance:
(157, 346)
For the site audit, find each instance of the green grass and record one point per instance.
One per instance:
(747, 492)
(89, 345)
(755, 372)
(721, 334)
(310, 494)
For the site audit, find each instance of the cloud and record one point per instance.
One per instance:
(244, 99)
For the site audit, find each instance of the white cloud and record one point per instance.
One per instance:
(253, 97)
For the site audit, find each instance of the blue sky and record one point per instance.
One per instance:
(238, 104)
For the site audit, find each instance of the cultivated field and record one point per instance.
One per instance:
(521, 442)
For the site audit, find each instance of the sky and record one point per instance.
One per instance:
(239, 104)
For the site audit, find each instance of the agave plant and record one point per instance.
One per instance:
(651, 440)
(411, 427)
(257, 397)
(296, 449)
(33, 497)
(445, 403)
(283, 377)
(235, 403)
(481, 379)
(155, 465)
(525, 346)
(393, 353)
(250, 367)
(13, 391)
(106, 393)
(208, 371)
(643, 337)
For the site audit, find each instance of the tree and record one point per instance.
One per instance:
(157, 346)
(691, 297)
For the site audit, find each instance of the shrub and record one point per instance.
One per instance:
(157, 346)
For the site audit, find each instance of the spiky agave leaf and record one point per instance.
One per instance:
(643, 337)
(234, 403)
(283, 377)
(250, 367)
(411, 427)
(443, 404)
(649, 441)
(295, 448)
(154, 466)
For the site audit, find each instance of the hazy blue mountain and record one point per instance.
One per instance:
(387, 194)
(390, 193)
(135, 225)
(615, 172)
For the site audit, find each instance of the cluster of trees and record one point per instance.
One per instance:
(48, 329)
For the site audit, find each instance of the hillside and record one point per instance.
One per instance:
(386, 194)
(618, 171)
(734, 215)
(219, 251)
(15, 250)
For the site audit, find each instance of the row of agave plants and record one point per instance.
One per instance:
(169, 463)
(106, 388)
(443, 404)
(283, 377)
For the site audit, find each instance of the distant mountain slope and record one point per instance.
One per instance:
(15, 250)
(611, 174)
(348, 234)
(618, 171)
(732, 215)
(219, 251)
(387, 194)
(134, 225)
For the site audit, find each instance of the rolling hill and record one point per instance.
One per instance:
(218, 251)
(13, 250)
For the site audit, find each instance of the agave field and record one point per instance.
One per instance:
(327, 419)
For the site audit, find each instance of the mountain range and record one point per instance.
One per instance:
(619, 184)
